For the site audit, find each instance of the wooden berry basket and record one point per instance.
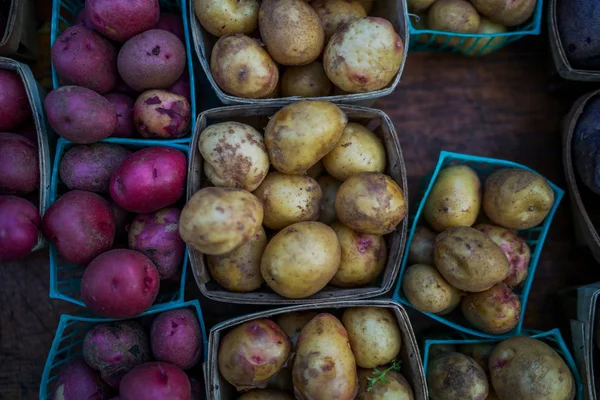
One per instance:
(218, 388)
(19, 38)
(258, 117)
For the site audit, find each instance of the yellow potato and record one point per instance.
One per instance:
(506, 12)
(396, 387)
(335, 13)
(496, 310)
(358, 150)
(219, 220)
(288, 199)
(239, 271)
(517, 199)
(300, 134)
(454, 199)
(329, 187)
(324, 366)
(415, 6)
(452, 16)
(222, 17)
(265, 394)
(421, 247)
(316, 170)
(306, 81)
(484, 45)
(242, 68)
(371, 203)
(374, 335)
(480, 352)
(427, 290)
(234, 155)
(301, 259)
(363, 257)
(364, 55)
(293, 322)
(457, 296)
(456, 376)
(291, 30)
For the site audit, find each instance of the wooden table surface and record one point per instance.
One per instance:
(502, 106)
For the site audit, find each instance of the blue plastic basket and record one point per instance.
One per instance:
(65, 279)
(553, 338)
(69, 338)
(64, 13)
(426, 40)
(534, 237)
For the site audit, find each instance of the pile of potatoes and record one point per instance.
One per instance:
(305, 355)
(519, 368)
(123, 67)
(298, 206)
(326, 46)
(475, 258)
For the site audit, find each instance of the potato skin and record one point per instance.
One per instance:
(293, 322)
(300, 134)
(295, 273)
(223, 17)
(242, 68)
(19, 163)
(480, 352)
(234, 155)
(427, 290)
(265, 394)
(496, 310)
(329, 187)
(335, 13)
(516, 376)
(456, 376)
(161, 114)
(421, 248)
(374, 335)
(324, 365)
(454, 199)
(306, 81)
(396, 388)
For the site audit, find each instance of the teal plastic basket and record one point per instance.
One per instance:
(65, 279)
(64, 13)
(534, 237)
(427, 40)
(67, 343)
(553, 338)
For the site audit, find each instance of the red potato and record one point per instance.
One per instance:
(84, 58)
(123, 105)
(155, 381)
(19, 222)
(161, 114)
(149, 179)
(80, 115)
(120, 283)
(77, 381)
(80, 225)
(120, 20)
(182, 86)
(14, 102)
(19, 167)
(176, 338)
(172, 23)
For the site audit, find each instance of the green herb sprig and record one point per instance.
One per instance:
(379, 375)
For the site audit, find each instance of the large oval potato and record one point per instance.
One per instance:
(288, 199)
(469, 260)
(219, 220)
(454, 199)
(242, 68)
(370, 202)
(421, 247)
(306, 81)
(428, 291)
(234, 155)
(364, 55)
(329, 187)
(496, 310)
(324, 366)
(300, 134)
(374, 335)
(293, 322)
(291, 30)
(523, 368)
(456, 376)
(395, 387)
(335, 13)
(222, 17)
(301, 259)
(516, 198)
(265, 394)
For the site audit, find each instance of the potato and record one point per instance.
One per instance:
(484, 45)
(523, 368)
(324, 366)
(265, 394)
(120, 21)
(239, 270)
(454, 199)
(457, 16)
(19, 222)
(358, 150)
(415, 6)
(427, 290)
(155, 380)
(295, 273)
(19, 165)
(515, 248)
(300, 134)
(176, 338)
(306, 81)
(123, 104)
(353, 68)
(335, 13)
(395, 387)
(505, 12)
(480, 352)
(217, 221)
(363, 257)
(291, 30)
(329, 187)
(76, 380)
(253, 352)
(516, 198)
(288, 199)
(373, 334)
(456, 376)
(234, 155)
(14, 101)
(370, 203)
(222, 17)
(293, 322)
(469, 260)
(496, 310)
(161, 114)
(421, 247)
(242, 68)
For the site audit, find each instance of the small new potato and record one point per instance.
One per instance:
(457, 16)
(485, 45)
(506, 12)
(222, 17)
(293, 322)
(396, 387)
(371, 203)
(234, 155)
(335, 13)
(358, 150)
(329, 187)
(306, 81)
(421, 248)
(456, 376)
(516, 198)
(480, 352)
(265, 394)
(415, 6)
(496, 310)
(161, 114)
(287, 199)
(427, 290)
(373, 334)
